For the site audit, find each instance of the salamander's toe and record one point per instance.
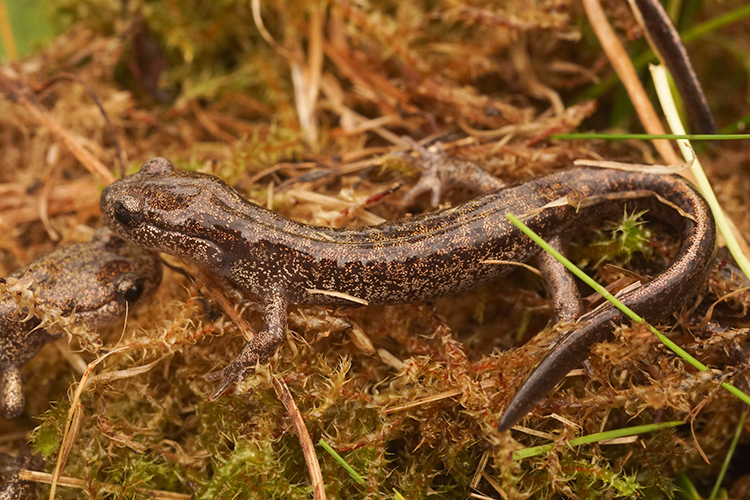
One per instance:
(428, 183)
(232, 374)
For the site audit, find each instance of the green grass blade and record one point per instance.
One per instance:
(353, 473)
(728, 458)
(599, 436)
(714, 24)
(685, 488)
(648, 137)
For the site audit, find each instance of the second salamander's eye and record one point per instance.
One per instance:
(128, 211)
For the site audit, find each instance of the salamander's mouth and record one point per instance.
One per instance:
(160, 236)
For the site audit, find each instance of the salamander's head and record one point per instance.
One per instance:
(171, 211)
(97, 282)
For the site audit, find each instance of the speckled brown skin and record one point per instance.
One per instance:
(199, 218)
(13, 487)
(98, 280)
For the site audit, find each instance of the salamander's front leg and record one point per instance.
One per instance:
(262, 347)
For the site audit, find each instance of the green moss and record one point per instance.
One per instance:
(47, 437)
(135, 473)
(597, 479)
(619, 241)
(249, 471)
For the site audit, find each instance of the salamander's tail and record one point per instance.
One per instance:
(667, 292)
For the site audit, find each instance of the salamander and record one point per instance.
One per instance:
(97, 281)
(198, 218)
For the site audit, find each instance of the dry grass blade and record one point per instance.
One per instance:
(311, 458)
(73, 422)
(72, 482)
(6, 33)
(625, 70)
(636, 167)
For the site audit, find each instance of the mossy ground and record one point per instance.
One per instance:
(198, 83)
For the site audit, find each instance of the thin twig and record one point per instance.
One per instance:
(73, 482)
(98, 102)
(22, 94)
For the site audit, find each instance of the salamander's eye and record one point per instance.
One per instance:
(128, 211)
(129, 287)
(156, 166)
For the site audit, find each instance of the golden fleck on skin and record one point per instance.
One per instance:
(98, 280)
(199, 218)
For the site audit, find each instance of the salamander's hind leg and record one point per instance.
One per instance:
(441, 170)
(566, 299)
(262, 347)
